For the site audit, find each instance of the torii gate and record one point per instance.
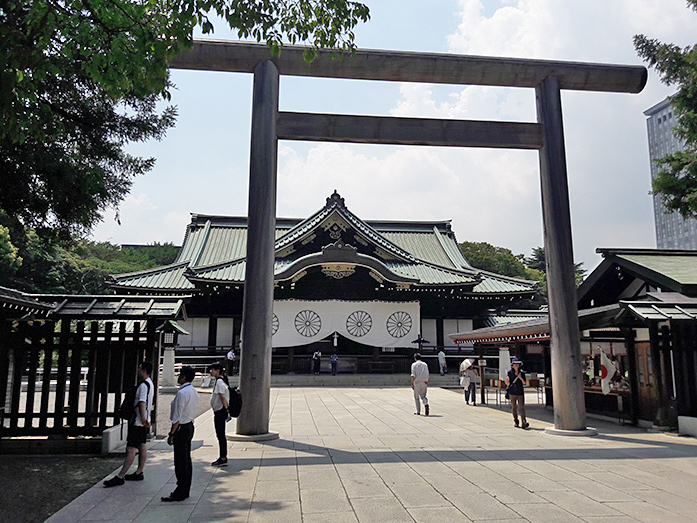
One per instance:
(547, 135)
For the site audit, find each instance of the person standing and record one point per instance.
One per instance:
(182, 414)
(138, 428)
(220, 398)
(468, 380)
(334, 359)
(316, 361)
(231, 357)
(515, 381)
(443, 366)
(419, 383)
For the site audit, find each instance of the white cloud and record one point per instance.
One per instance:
(137, 215)
(494, 195)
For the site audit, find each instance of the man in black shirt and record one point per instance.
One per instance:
(515, 382)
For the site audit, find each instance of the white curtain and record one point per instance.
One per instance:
(504, 363)
(375, 323)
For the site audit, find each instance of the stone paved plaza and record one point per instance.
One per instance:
(359, 454)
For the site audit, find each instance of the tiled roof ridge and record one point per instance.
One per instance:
(506, 278)
(648, 252)
(153, 270)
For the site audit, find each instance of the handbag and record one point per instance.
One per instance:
(508, 395)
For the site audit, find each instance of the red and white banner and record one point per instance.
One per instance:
(607, 371)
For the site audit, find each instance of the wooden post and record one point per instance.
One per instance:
(567, 383)
(257, 308)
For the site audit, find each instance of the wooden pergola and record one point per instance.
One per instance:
(546, 135)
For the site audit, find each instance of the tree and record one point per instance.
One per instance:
(499, 260)
(9, 260)
(80, 79)
(538, 262)
(676, 183)
(81, 267)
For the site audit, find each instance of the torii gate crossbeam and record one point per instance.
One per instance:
(547, 135)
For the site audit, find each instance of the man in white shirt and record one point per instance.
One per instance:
(419, 383)
(138, 428)
(231, 357)
(182, 414)
(441, 363)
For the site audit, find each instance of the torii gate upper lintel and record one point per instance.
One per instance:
(546, 135)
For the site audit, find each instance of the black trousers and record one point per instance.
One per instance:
(219, 420)
(183, 468)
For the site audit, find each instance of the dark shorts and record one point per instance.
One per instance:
(137, 436)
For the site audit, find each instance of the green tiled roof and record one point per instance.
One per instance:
(681, 268)
(214, 249)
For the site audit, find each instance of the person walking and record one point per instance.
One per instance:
(334, 359)
(231, 358)
(220, 398)
(442, 365)
(138, 428)
(468, 380)
(182, 414)
(515, 381)
(316, 360)
(419, 383)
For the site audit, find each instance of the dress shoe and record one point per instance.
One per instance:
(136, 476)
(114, 482)
(174, 497)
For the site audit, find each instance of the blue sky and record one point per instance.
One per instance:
(490, 195)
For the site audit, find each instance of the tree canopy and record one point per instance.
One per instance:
(79, 80)
(82, 267)
(538, 262)
(676, 183)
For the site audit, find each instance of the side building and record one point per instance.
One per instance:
(370, 290)
(672, 230)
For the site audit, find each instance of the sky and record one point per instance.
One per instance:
(490, 195)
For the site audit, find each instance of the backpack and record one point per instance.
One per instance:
(234, 406)
(127, 409)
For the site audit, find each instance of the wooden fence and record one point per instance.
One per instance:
(67, 377)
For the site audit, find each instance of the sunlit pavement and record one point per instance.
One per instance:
(360, 454)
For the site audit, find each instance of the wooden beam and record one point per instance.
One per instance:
(565, 348)
(408, 131)
(257, 305)
(400, 66)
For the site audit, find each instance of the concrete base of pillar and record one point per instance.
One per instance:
(167, 390)
(561, 432)
(253, 438)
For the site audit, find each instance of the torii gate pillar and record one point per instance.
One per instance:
(255, 353)
(567, 384)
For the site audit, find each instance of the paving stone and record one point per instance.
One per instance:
(418, 495)
(437, 515)
(380, 510)
(336, 517)
(483, 506)
(578, 503)
(365, 488)
(599, 492)
(544, 513)
(643, 511)
(278, 512)
(165, 513)
(125, 506)
(314, 501)
(288, 491)
(509, 492)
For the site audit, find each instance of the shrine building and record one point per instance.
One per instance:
(365, 289)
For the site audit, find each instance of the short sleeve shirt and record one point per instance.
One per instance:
(146, 395)
(220, 388)
(516, 388)
(419, 370)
